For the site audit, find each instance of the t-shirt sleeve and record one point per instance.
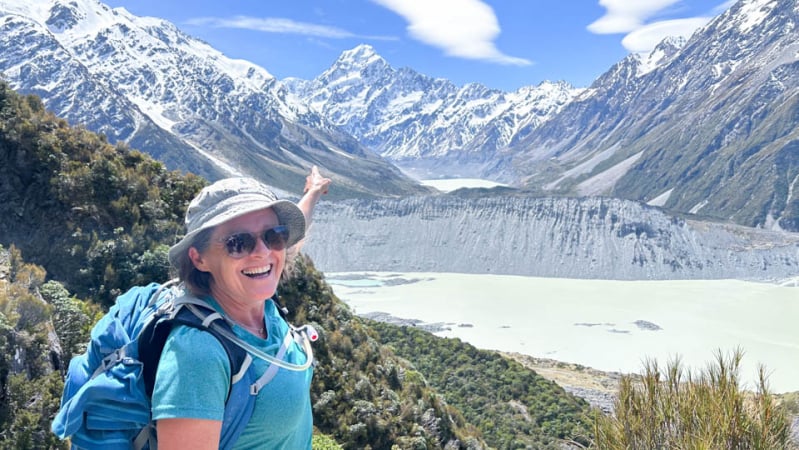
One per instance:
(193, 377)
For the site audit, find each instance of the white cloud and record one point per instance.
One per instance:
(623, 16)
(630, 17)
(645, 38)
(724, 6)
(278, 25)
(462, 28)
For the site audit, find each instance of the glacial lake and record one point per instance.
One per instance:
(604, 324)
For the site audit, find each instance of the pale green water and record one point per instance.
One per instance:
(593, 322)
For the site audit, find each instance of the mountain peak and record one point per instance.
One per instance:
(361, 56)
(68, 19)
(661, 54)
(64, 16)
(362, 51)
(671, 42)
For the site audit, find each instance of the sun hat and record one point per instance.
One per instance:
(229, 198)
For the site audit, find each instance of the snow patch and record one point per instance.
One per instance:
(772, 223)
(791, 190)
(753, 13)
(604, 181)
(36, 10)
(405, 101)
(232, 171)
(154, 111)
(661, 199)
(339, 152)
(698, 207)
(584, 167)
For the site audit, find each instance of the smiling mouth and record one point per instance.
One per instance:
(258, 272)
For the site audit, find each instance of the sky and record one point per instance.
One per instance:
(502, 44)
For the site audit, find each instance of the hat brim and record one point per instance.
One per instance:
(288, 215)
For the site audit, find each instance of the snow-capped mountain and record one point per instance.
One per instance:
(428, 125)
(706, 126)
(141, 80)
(711, 130)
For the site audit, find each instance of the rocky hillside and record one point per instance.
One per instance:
(711, 130)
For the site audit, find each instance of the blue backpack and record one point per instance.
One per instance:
(106, 399)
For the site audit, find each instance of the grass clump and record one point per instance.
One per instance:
(675, 408)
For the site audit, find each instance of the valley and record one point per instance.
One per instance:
(574, 230)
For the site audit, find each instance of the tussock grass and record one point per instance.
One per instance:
(674, 408)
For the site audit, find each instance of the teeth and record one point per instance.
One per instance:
(258, 270)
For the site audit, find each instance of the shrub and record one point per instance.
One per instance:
(324, 442)
(677, 409)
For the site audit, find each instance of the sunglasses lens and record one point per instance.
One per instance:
(242, 244)
(239, 245)
(276, 238)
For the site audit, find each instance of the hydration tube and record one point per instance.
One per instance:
(306, 337)
(306, 333)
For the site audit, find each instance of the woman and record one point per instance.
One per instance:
(238, 235)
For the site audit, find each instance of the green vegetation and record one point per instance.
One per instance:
(677, 409)
(324, 442)
(363, 395)
(790, 402)
(30, 390)
(512, 406)
(99, 218)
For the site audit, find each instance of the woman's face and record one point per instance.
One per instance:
(253, 277)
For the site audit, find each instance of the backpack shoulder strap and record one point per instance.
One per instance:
(239, 404)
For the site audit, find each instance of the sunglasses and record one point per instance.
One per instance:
(240, 245)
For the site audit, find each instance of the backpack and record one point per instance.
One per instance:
(106, 399)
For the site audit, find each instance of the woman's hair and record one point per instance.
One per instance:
(198, 282)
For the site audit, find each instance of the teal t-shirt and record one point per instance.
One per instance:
(193, 381)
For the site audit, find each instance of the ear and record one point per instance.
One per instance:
(198, 260)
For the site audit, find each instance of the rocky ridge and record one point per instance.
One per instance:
(590, 238)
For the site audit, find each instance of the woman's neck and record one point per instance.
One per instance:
(249, 316)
